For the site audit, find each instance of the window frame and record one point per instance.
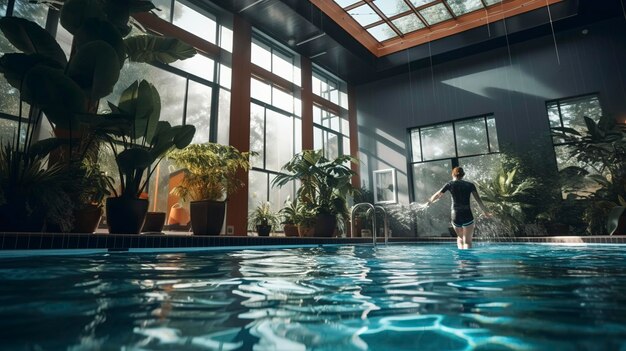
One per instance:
(454, 160)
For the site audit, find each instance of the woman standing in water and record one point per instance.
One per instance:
(462, 217)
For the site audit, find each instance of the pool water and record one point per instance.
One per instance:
(400, 297)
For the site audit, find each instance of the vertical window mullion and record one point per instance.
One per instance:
(172, 5)
(10, 7)
(264, 137)
(419, 131)
(456, 150)
(185, 101)
(487, 132)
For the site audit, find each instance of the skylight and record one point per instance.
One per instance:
(389, 19)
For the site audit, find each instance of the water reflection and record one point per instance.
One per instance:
(430, 297)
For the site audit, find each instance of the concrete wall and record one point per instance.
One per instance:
(513, 87)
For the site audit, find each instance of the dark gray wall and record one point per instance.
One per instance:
(513, 87)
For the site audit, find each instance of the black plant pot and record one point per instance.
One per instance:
(207, 216)
(126, 215)
(86, 219)
(325, 225)
(15, 218)
(154, 222)
(264, 229)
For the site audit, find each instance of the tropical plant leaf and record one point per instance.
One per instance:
(14, 66)
(75, 13)
(43, 147)
(134, 158)
(95, 68)
(30, 38)
(56, 94)
(567, 130)
(95, 29)
(152, 49)
(118, 12)
(184, 135)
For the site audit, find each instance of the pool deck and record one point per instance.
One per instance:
(119, 242)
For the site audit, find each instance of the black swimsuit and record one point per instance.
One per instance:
(461, 212)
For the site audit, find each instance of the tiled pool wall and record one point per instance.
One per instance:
(52, 241)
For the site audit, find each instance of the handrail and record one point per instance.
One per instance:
(370, 208)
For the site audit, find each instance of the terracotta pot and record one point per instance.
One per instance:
(125, 215)
(154, 222)
(178, 215)
(207, 217)
(305, 231)
(291, 230)
(264, 230)
(86, 219)
(325, 225)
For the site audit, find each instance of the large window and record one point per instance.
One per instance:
(331, 128)
(275, 125)
(570, 113)
(471, 143)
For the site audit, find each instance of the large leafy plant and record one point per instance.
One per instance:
(506, 196)
(134, 127)
(324, 184)
(600, 152)
(211, 171)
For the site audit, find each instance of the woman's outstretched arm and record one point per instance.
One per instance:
(481, 204)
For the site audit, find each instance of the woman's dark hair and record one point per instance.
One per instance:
(457, 172)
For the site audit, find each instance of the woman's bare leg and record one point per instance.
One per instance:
(468, 233)
(459, 236)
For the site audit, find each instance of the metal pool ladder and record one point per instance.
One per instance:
(371, 209)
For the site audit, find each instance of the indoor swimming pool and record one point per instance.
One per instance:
(396, 297)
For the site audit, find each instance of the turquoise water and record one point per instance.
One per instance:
(400, 297)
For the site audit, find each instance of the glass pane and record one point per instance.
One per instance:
(382, 32)
(317, 115)
(3, 10)
(492, 2)
(345, 3)
(282, 66)
(297, 107)
(416, 151)
(171, 88)
(64, 38)
(32, 12)
(493, 135)
(364, 15)
(199, 65)
(391, 7)
(437, 142)
(345, 127)
(278, 196)
(226, 39)
(195, 22)
(261, 55)
(199, 111)
(260, 91)
(318, 142)
(435, 14)
(555, 121)
(297, 132)
(257, 134)
(408, 23)
(471, 137)
(573, 111)
(428, 178)
(257, 189)
(223, 117)
(165, 7)
(331, 145)
(159, 187)
(343, 100)
(418, 3)
(279, 140)
(480, 169)
(316, 85)
(8, 128)
(10, 99)
(282, 100)
(461, 7)
(226, 75)
(346, 146)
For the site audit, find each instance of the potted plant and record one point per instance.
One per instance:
(263, 219)
(135, 129)
(208, 182)
(68, 90)
(325, 186)
(600, 151)
(306, 220)
(290, 217)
